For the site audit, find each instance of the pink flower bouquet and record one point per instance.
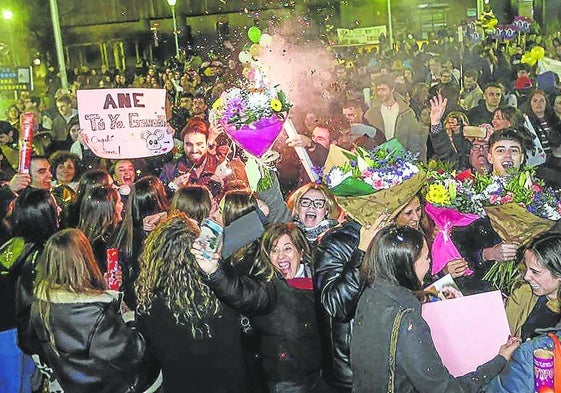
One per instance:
(252, 116)
(258, 137)
(443, 249)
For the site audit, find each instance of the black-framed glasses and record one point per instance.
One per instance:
(317, 203)
(479, 147)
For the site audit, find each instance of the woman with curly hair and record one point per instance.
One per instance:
(66, 169)
(195, 338)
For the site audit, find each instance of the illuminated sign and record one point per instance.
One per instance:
(15, 79)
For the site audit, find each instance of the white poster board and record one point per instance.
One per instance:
(124, 123)
(467, 331)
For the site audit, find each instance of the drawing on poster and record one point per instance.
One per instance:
(124, 123)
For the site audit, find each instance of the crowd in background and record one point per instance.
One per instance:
(289, 307)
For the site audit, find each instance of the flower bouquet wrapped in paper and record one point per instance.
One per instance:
(520, 208)
(251, 115)
(368, 184)
(451, 202)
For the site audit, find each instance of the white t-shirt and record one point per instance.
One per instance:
(390, 117)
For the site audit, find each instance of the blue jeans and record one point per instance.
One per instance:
(16, 368)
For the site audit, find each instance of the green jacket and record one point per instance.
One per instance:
(520, 304)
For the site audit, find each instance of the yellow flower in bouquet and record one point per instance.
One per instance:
(218, 104)
(438, 194)
(276, 105)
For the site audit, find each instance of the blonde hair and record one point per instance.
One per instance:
(333, 208)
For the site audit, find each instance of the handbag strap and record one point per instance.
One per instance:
(393, 348)
(556, 363)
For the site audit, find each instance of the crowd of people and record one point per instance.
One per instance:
(301, 298)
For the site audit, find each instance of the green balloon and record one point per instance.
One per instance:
(254, 34)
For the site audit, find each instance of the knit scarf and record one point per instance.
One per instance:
(314, 232)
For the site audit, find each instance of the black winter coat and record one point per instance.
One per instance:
(444, 151)
(337, 262)
(210, 363)
(94, 350)
(283, 317)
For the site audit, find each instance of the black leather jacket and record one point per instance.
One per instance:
(337, 262)
(94, 350)
(283, 317)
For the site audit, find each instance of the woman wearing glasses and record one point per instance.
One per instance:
(314, 210)
(391, 347)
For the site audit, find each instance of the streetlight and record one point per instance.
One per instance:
(390, 23)
(58, 43)
(8, 15)
(171, 3)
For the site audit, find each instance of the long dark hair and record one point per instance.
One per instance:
(237, 204)
(391, 257)
(35, 216)
(88, 180)
(98, 217)
(147, 197)
(193, 200)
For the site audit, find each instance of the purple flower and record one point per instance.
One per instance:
(234, 109)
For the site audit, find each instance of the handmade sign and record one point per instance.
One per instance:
(467, 331)
(124, 123)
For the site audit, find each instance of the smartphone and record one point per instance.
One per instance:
(475, 132)
(211, 237)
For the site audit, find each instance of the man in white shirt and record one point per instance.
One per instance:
(391, 114)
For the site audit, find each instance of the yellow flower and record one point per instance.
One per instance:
(276, 105)
(438, 194)
(217, 104)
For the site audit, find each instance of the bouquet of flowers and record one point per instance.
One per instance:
(448, 189)
(251, 114)
(452, 201)
(368, 184)
(520, 208)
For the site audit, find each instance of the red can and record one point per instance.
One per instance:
(113, 269)
(26, 142)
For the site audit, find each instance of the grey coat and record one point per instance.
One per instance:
(418, 367)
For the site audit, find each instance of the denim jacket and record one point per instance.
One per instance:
(518, 374)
